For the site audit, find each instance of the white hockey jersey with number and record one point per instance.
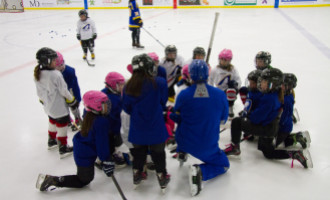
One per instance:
(172, 68)
(220, 78)
(52, 90)
(86, 29)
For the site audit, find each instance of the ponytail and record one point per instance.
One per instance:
(281, 95)
(37, 71)
(87, 123)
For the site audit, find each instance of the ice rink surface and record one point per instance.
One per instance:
(297, 38)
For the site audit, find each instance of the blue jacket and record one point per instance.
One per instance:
(147, 124)
(200, 117)
(135, 20)
(254, 96)
(267, 110)
(70, 78)
(116, 108)
(286, 122)
(96, 144)
(161, 72)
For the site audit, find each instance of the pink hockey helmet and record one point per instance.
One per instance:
(185, 72)
(130, 68)
(153, 56)
(226, 54)
(59, 60)
(114, 78)
(94, 100)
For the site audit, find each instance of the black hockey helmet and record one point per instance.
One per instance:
(83, 12)
(45, 56)
(198, 51)
(144, 62)
(265, 56)
(254, 75)
(274, 77)
(170, 49)
(290, 80)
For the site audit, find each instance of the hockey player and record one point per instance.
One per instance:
(263, 60)
(284, 138)
(70, 78)
(135, 23)
(198, 111)
(114, 84)
(225, 77)
(54, 95)
(86, 33)
(161, 72)
(185, 81)
(263, 121)
(89, 143)
(172, 64)
(144, 98)
(198, 53)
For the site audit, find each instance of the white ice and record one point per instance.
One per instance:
(298, 39)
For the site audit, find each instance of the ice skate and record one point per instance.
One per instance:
(93, 56)
(98, 164)
(138, 177)
(301, 141)
(163, 179)
(171, 144)
(85, 56)
(44, 182)
(304, 157)
(182, 157)
(195, 179)
(139, 46)
(233, 150)
(119, 160)
(52, 143)
(64, 150)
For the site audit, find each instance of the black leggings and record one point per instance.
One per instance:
(136, 35)
(266, 136)
(158, 156)
(84, 176)
(88, 44)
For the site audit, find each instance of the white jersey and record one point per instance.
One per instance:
(124, 129)
(52, 90)
(86, 29)
(220, 78)
(172, 68)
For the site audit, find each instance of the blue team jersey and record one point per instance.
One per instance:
(161, 72)
(134, 17)
(254, 96)
(286, 122)
(147, 125)
(267, 110)
(116, 108)
(70, 78)
(201, 110)
(96, 144)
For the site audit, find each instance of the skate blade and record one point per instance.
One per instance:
(120, 166)
(171, 147)
(307, 136)
(53, 147)
(237, 157)
(193, 187)
(65, 155)
(309, 158)
(163, 190)
(40, 179)
(296, 114)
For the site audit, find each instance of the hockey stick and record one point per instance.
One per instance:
(89, 64)
(153, 37)
(118, 188)
(212, 37)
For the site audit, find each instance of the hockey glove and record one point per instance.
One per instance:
(73, 104)
(78, 36)
(243, 92)
(108, 168)
(94, 36)
(231, 94)
(233, 84)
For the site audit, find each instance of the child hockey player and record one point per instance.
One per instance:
(114, 83)
(86, 33)
(70, 78)
(263, 121)
(135, 23)
(198, 53)
(263, 60)
(226, 77)
(185, 81)
(54, 95)
(144, 98)
(89, 143)
(284, 138)
(161, 72)
(172, 64)
(198, 111)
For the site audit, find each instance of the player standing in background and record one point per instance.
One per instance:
(135, 23)
(144, 98)
(263, 60)
(91, 142)
(198, 110)
(198, 53)
(70, 78)
(172, 64)
(86, 33)
(226, 77)
(54, 95)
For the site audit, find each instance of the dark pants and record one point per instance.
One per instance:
(136, 35)
(84, 176)
(61, 120)
(158, 156)
(88, 44)
(266, 135)
(115, 140)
